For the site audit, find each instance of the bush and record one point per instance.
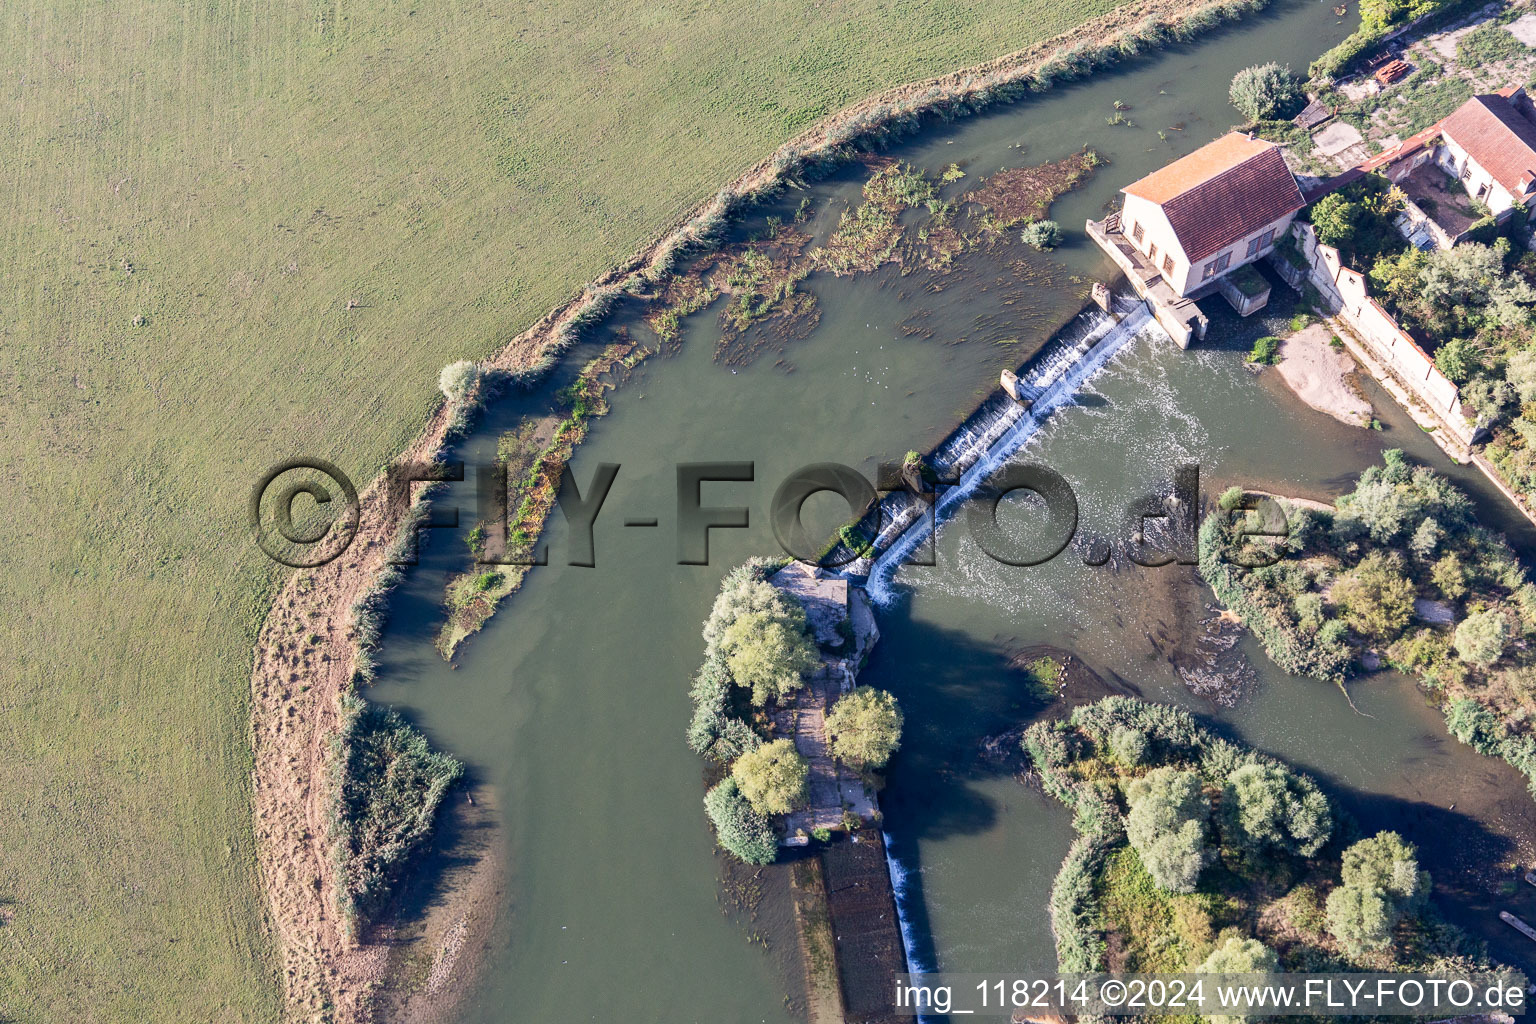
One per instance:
(1376, 596)
(1238, 955)
(459, 380)
(738, 828)
(1268, 806)
(1266, 350)
(1266, 92)
(1042, 234)
(388, 784)
(1166, 826)
(772, 777)
(865, 727)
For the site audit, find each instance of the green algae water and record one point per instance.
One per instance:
(569, 708)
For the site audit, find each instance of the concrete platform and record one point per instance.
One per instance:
(1180, 316)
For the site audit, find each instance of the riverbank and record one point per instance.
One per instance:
(292, 725)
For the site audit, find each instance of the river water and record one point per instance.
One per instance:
(569, 707)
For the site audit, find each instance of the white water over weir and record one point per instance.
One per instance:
(987, 440)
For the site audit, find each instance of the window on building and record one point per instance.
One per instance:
(1152, 253)
(1255, 245)
(1216, 266)
(1466, 171)
(1137, 232)
(1167, 264)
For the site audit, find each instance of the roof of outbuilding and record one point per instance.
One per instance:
(1498, 137)
(1222, 192)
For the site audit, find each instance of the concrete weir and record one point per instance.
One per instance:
(852, 938)
(997, 430)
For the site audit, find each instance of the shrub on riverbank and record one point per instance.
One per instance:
(739, 828)
(1399, 565)
(1271, 865)
(1265, 351)
(387, 785)
(1266, 92)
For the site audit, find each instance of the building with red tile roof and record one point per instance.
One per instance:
(1208, 213)
(1489, 144)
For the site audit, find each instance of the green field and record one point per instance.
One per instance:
(196, 193)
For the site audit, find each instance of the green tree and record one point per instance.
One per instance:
(1264, 92)
(772, 777)
(1376, 16)
(1458, 359)
(1358, 219)
(865, 727)
(1520, 371)
(745, 597)
(1239, 956)
(1166, 826)
(1264, 805)
(1380, 883)
(1480, 638)
(1425, 538)
(738, 827)
(1449, 575)
(1361, 919)
(1376, 596)
(1471, 280)
(767, 655)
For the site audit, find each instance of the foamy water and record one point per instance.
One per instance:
(1055, 378)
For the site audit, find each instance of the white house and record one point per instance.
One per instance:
(1206, 214)
(1489, 145)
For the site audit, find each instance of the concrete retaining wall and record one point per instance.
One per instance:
(1346, 292)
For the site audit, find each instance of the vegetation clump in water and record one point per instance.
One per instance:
(1195, 853)
(1401, 567)
(533, 460)
(388, 784)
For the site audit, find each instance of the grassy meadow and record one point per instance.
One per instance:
(195, 194)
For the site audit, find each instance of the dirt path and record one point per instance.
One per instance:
(297, 683)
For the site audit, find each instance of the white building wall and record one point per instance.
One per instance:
(1458, 164)
(1156, 231)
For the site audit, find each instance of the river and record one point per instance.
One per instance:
(569, 707)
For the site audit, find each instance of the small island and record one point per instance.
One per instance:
(1196, 853)
(1398, 571)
